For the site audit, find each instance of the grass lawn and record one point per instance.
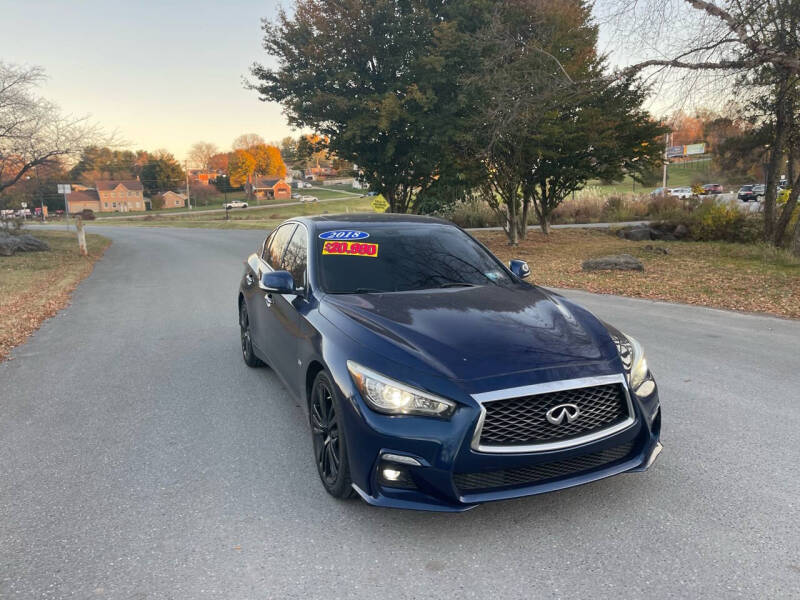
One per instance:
(36, 285)
(264, 217)
(732, 276)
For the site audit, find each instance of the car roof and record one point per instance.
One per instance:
(318, 222)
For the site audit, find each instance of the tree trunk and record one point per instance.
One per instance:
(786, 214)
(796, 240)
(776, 155)
(543, 213)
(526, 206)
(513, 220)
(544, 223)
(390, 198)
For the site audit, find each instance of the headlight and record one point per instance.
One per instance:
(394, 398)
(633, 359)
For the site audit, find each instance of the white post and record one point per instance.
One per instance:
(81, 237)
(666, 161)
(66, 209)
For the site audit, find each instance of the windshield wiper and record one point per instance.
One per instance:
(364, 290)
(451, 284)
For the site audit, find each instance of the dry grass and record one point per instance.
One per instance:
(741, 277)
(36, 285)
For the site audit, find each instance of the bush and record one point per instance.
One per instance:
(658, 206)
(718, 222)
(471, 213)
(586, 207)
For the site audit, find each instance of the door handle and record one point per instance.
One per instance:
(249, 279)
(268, 300)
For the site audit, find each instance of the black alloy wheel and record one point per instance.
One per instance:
(250, 359)
(330, 448)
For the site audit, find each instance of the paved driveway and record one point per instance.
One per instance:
(140, 458)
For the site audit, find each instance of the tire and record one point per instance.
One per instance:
(249, 356)
(328, 439)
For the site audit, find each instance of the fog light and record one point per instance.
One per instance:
(395, 476)
(391, 474)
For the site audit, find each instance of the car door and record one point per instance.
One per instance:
(285, 329)
(262, 317)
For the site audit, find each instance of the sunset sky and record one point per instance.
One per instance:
(161, 74)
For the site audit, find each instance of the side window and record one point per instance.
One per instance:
(277, 245)
(262, 250)
(295, 257)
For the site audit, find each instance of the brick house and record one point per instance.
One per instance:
(120, 196)
(174, 200)
(262, 187)
(203, 177)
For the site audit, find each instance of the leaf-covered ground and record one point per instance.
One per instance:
(36, 285)
(731, 276)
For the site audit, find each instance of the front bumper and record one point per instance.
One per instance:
(442, 453)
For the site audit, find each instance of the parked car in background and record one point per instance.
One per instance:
(747, 194)
(713, 188)
(659, 191)
(297, 196)
(759, 189)
(235, 204)
(309, 199)
(681, 192)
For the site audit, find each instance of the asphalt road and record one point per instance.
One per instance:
(140, 458)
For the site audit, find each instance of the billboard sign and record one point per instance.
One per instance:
(693, 149)
(674, 151)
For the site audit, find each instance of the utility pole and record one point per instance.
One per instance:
(188, 199)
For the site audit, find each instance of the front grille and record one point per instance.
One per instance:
(523, 421)
(541, 472)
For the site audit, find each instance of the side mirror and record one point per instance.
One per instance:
(519, 268)
(277, 282)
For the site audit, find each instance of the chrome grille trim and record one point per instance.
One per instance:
(545, 388)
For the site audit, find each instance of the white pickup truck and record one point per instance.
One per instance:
(235, 204)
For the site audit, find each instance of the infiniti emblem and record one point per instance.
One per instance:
(560, 412)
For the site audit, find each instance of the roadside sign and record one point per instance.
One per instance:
(379, 203)
(24, 204)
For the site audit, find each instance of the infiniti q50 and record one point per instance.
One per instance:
(433, 376)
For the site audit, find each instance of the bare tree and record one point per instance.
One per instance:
(33, 132)
(200, 154)
(247, 141)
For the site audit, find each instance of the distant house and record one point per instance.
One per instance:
(262, 187)
(85, 199)
(174, 200)
(203, 177)
(120, 196)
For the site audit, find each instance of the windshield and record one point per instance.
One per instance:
(746, 188)
(389, 257)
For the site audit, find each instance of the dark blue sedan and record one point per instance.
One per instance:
(433, 376)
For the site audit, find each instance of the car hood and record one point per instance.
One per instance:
(471, 333)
